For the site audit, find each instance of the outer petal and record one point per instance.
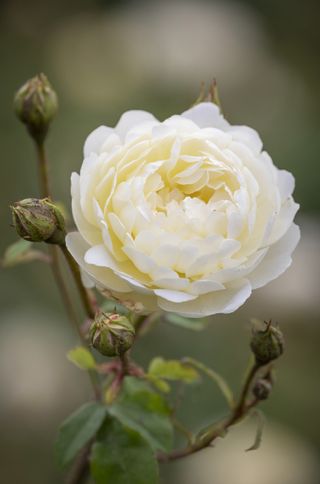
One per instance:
(286, 183)
(224, 301)
(96, 139)
(99, 256)
(247, 136)
(77, 247)
(91, 233)
(277, 260)
(174, 296)
(132, 119)
(206, 115)
(283, 220)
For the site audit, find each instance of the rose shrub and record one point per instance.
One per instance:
(186, 215)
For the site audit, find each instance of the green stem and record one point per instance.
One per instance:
(245, 390)
(125, 363)
(43, 166)
(80, 469)
(72, 315)
(85, 298)
(206, 437)
(183, 430)
(55, 265)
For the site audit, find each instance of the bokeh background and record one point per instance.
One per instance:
(105, 57)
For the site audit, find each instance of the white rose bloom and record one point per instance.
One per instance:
(186, 215)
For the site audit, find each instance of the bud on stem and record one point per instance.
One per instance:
(262, 389)
(267, 344)
(38, 221)
(36, 104)
(111, 334)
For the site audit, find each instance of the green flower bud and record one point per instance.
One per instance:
(38, 221)
(36, 104)
(267, 344)
(262, 389)
(111, 334)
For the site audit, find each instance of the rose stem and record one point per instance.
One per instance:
(217, 429)
(86, 301)
(79, 471)
(43, 167)
(55, 264)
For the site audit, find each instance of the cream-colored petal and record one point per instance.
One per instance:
(283, 220)
(225, 301)
(247, 136)
(206, 115)
(91, 233)
(277, 260)
(96, 139)
(204, 286)
(174, 296)
(286, 183)
(77, 247)
(100, 257)
(131, 119)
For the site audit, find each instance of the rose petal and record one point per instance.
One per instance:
(277, 260)
(89, 231)
(174, 296)
(225, 301)
(247, 136)
(96, 139)
(131, 119)
(206, 115)
(77, 246)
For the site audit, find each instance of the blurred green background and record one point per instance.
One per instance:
(105, 57)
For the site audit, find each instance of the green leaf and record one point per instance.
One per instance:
(218, 379)
(144, 410)
(258, 438)
(82, 358)
(172, 370)
(188, 323)
(122, 456)
(77, 430)
(15, 252)
(110, 306)
(20, 252)
(158, 383)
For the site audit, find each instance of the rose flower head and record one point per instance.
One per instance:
(188, 215)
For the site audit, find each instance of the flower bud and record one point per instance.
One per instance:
(36, 104)
(111, 334)
(267, 344)
(262, 389)
(38, 221)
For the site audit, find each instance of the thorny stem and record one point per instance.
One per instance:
(80, 468)
(43, 170)
(183, 430)
(79, 472)
(125, 363)
(245, 390)
(205, 438)
(202, 440)
(55, 265)
(85, 298)
(46, 192)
